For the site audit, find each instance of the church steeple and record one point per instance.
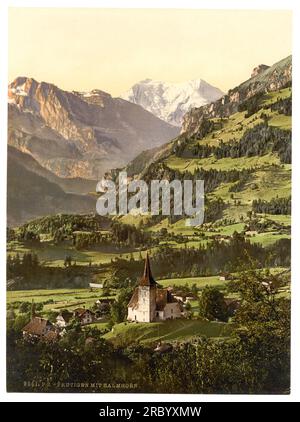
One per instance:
(147, 278)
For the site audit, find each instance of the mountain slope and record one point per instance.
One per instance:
(70, 185)
(31, 195)
(76, 134)
(170, 101)
(269, 79)
(210, 124)
(239, 145)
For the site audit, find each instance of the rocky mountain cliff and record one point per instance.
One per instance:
(171, 101)
(75, 134)
(265, 79)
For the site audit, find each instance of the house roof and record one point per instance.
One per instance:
(79, 312)
(37, 326)
(133, 303)
(147, 278)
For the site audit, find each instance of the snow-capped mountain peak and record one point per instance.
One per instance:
(171, 101)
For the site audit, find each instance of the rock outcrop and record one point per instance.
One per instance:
(259, 69)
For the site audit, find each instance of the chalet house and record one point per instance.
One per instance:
(85, 316)
(149, 303)
(40, 329)
(63, 319)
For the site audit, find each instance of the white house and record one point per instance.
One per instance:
(63, 319)
(149, 304)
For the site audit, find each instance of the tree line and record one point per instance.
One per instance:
(274, 206)
(257, 141)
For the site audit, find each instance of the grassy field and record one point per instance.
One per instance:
(272, 97)
(224, 164)
(180, 329)
(265, 183)
(60, 298)
(266, 239)
(101, 325)
(54, 255)
(285, 220)
(200, 282)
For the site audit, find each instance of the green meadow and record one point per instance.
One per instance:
(180, 329)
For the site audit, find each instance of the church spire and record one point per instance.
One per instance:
(147, 279)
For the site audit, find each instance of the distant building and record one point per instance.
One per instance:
(85, 316)
(96, 286)
(225, 276)
(40, 329)
(108, 300)
(149, 304)
(163, 347)
(184, 297)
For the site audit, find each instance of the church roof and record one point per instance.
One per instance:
(133, 303)
(163, 296)
(147, 278)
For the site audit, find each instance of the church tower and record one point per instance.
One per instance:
(149, 303)
(147, 294)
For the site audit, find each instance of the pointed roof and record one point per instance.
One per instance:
(147, 278)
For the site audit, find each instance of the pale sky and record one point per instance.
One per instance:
(111, 49)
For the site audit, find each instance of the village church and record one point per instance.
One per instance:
(149, 303)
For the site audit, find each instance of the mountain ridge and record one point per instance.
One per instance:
(79, 134)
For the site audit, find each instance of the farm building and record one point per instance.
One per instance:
(85, 316)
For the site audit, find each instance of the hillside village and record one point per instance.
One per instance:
(147, 304)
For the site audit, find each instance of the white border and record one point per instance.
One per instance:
(177, 4)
